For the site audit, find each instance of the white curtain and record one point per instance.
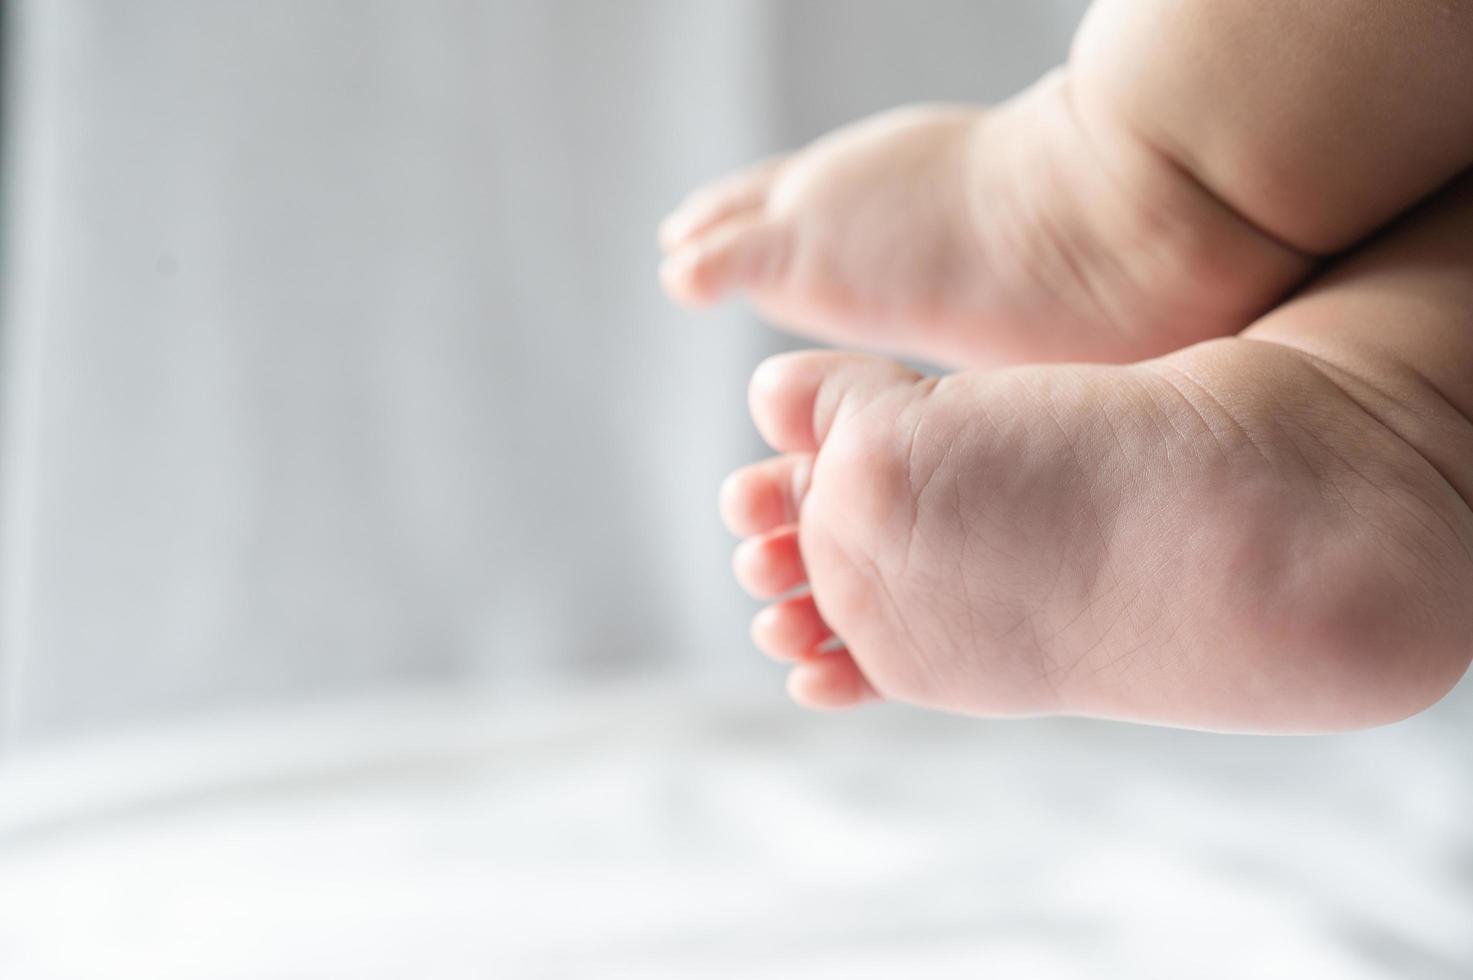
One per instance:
(334, 355)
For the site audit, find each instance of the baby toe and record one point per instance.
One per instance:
(738, 253)
(795, 398)
(765, 495)
(791, 630)
(716, 202)
(769, 565)
(830, 682)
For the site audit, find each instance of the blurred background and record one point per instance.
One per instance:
(363, 606)
(334, 351)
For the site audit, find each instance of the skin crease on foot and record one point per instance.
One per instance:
(995, 237)
(1267, 533)
(1189, 166)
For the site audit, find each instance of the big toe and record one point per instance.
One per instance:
(716, 202)
(796, 398)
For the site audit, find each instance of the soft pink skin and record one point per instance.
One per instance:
(1174, 181)
(979, 238)
(1318, 121)
(1269, 533)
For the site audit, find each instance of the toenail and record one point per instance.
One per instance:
(762, 624)
(677, 266)
(745, 552)
(766, 376)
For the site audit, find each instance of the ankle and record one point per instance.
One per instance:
(1179, 265)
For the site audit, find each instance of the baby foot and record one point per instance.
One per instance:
(1221, 539)
(981, 238)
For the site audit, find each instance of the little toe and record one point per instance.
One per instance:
(791, 630)
(795, 398)
(769, 565)
(765, 495)
(830, 682)
(716, 202)
(735, 254)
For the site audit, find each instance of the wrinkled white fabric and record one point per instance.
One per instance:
(654, 835)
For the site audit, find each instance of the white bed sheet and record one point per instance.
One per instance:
(653, 833)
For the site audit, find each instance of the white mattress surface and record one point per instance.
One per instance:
(650, 833)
